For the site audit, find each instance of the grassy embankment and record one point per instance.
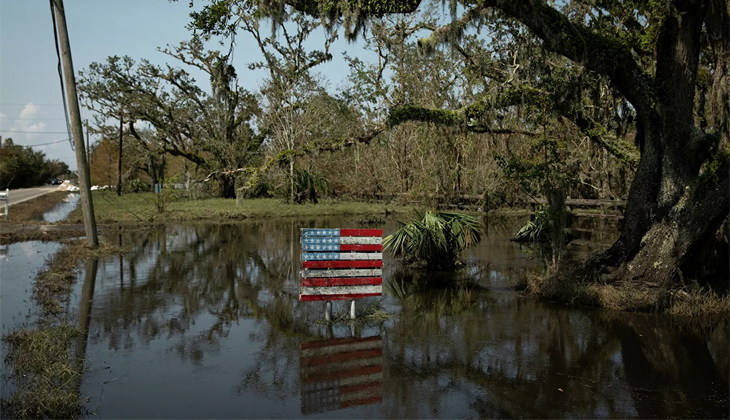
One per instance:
(33, 209)
(141, 208)
(25, 221)
(40, 360)
(570, 285)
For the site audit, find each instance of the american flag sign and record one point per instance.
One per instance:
(341, 264)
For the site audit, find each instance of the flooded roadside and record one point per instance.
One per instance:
(61, 210)
(20, 263)
(204, 321)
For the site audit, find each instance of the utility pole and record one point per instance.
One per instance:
(119, 162)
(88, 150)
(87, 204)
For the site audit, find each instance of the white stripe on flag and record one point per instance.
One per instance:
(361, 240)
(341, 256)
(340, 290)
(355, 272)
(361, 255)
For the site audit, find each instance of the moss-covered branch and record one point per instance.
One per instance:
(220, 17)
(621, 150)
(469, 115)
(313, 147)
(598, 52)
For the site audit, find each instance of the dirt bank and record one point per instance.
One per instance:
(33, 209)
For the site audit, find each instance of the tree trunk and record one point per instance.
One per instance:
(672, 209)
(673, 241)
(119, 161)
(228, 186)
(291, 180)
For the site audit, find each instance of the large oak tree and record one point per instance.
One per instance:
(669, 60)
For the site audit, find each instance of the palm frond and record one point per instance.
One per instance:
(436, 239)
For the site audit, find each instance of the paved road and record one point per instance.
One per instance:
(24, 194)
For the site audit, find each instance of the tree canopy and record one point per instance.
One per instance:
(656, 70)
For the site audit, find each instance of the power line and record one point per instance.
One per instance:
(32, 119)
(35, 145)
(14, 103)
(46, 144)
(34, 132)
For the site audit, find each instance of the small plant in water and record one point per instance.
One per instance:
(435, 239)
(540, 229)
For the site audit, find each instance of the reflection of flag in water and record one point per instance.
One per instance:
(341, 373)
(341, 264)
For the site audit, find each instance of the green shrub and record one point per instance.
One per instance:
(435, 239)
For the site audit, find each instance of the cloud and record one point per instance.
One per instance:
(29, 111)
(25, 123)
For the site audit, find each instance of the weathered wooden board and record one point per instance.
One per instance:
(342, 232)
(349, 296)
(342, 240)
(341, 290)
(354, 272)
(342, 281)
(341, 264)
(341, 256)
(341, 247)
(341, 373)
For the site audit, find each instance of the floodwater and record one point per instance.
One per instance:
(204, 320)
(61, 210)
(19, 265)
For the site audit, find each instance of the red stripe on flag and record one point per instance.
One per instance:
(364, 401)
(336, 342)
(361, 247)
(343, 357)
(361, 232)
(342, 264)
(310, 298)
(344, 374)
(341, 281)
(361, 387)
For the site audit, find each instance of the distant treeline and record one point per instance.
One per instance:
(22, 167)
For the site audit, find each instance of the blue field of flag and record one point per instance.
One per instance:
(320, 247)
(320, 256)
(320, 232)
(323, 241)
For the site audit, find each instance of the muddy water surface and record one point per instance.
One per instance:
(61, 210)
(204, 321)
(19, 265)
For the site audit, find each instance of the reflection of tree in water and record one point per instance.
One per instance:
(528, 359)
(432, 294)
(505, 355)
(202, 272)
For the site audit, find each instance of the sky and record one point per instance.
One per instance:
(31, 107)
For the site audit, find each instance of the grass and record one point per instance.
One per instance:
(566, 285)
(140, 207)
(371, 314)
(11, 233)
(53, 285)
(33, 209)
(45, 374)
